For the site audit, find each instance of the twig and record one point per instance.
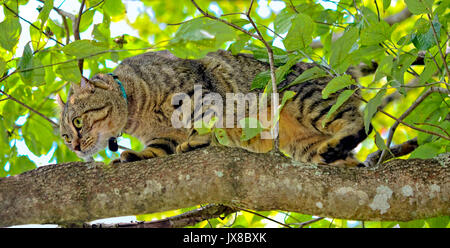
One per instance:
(433, 125)
(259, 37)
(185, 219)
(32, 25)
(29, 108)
(436, 38)
(223, 21)
(306, 223)
(405, 114)
(265, 217)
(76, 31)
(402, 122)
(397, 150)
(85, 57)
(378, 10)
(93, 6)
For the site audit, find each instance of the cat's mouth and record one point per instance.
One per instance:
(91, 146)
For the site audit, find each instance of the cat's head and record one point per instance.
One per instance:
(94, 112)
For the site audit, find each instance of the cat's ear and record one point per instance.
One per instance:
(60, 101)
(100, 81)
(86, 85)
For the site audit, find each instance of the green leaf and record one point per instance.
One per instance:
(38, 136)
(10, 32)
(379, 141)
(424, 40)
(280, 56)
(438, 222)
(371, 108)
(2, 66)
(250, 128)
(341, 56)
(428, 71)
(425, 151)
(101, 32)
(336, 84)
(204, 128)
(283, 21)
(282, 71)
(114, 7)
(86, 20)
(26, 62)
(240, 43)
(385, 67)
(45, 11)
(19, 165)
(286, 97)
(419, 6)
(67, 71)
(376, 33)
(38, 74)
(260, 80)
(343, 97)
(197, 37)
(386, 4)
(221, 136)
(312, 73)
(83, 48)
(412, 224)
(300, 34)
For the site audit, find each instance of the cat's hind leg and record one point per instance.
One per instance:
(195, 141)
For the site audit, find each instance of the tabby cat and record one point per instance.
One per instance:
(137, 99)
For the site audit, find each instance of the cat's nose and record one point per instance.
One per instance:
(76, 145)
(77, 148)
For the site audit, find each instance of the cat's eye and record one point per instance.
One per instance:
(66, 138)
(78, 122)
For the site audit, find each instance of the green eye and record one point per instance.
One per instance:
(78, 122)
(66, 138)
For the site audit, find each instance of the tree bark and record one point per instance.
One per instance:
(78, 192)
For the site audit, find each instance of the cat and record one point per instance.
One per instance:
(136, 99)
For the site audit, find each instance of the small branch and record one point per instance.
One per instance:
(436, 38)
(405, 114)
(29, 108)
(398, 151)
(391, 20)
(306, 223)
(399, 17)
(259, 37)
(93, 6)
(433, 125)
(76, 31)
(262, 216)
(402, 122)
(223, 21)
(189, 218)
(32, 25)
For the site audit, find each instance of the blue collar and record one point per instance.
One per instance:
(122, 89)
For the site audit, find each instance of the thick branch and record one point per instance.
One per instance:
(78, 192)
(185, 219)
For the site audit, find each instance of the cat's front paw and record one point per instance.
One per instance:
(130, 156)
(127, 156)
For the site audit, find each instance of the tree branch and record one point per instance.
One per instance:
(397, 150)
(414, 105)
(190, 218)
(79, 192)
(76, 31)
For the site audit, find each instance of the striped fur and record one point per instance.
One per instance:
(151, 79)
